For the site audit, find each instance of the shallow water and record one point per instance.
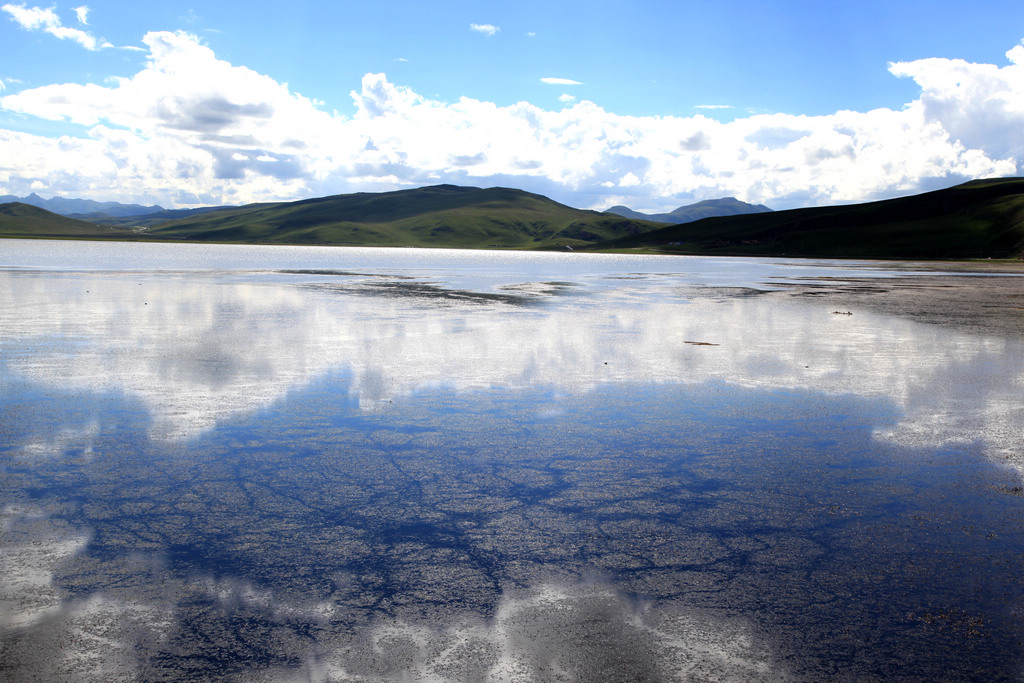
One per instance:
(356, 464)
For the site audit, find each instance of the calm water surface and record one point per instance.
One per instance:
(282, 463)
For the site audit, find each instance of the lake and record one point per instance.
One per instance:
(300, 463)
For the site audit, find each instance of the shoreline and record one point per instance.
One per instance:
(982, 303)
(966, 265)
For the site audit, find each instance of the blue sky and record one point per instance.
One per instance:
(649, 104)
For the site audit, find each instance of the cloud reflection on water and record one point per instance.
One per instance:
(493, 447)
(198, 350)
(30, 550)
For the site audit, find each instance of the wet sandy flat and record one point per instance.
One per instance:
(989, 301)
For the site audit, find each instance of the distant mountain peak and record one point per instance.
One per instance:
(66, 206)
(708, 208)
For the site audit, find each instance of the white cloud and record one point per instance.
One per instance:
(979, 105)
(192, 125)
(559, 81)
(83, 14)
(486, 29)
(713, 106)
(31, 18)
(567, 98)
(629, 180)
(37, 18)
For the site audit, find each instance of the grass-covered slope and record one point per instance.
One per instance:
(979, 219)
(439, 216)
(24, 220)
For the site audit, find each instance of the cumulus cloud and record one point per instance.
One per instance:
(486, 29)
(981, 106)
(39, 19)
(83, 14)
(192, 125)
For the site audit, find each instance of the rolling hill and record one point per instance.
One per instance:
(27, 221)
(979, 219)
(437, 216)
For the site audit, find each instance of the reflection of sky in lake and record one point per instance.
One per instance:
(364, 464)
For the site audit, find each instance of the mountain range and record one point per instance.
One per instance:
(81, 207)
(727, 206)
(115, 213)
(437, 216)
(979, 219)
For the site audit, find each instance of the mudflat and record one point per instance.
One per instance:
(974, 297)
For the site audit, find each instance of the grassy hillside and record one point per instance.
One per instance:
(439, 216)
(24, 220)
(979, 219)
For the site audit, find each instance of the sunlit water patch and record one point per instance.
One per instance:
(372, 465)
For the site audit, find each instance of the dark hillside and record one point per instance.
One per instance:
(979, 219)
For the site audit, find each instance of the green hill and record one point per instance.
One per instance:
(24, 220)
(979, 219)
(438, 216)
